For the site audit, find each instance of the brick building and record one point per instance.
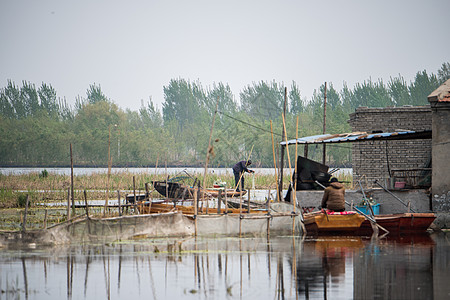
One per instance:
(440, 107)
(401, 160)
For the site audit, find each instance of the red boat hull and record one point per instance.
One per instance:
(401, 223)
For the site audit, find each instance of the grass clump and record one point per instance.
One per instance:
(43, 174)
(22, 200)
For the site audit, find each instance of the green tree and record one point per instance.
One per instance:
(422, 86)
(7, 96)
(263, 100)
(398, 90)
(296, 104)
(371, 94)
(444, 73)
(182, 102)
(48, 100)
(30, 99)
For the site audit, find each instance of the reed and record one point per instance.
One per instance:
(53, 187)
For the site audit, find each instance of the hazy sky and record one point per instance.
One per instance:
(132, 49)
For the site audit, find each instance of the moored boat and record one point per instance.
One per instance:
(401, 223)
(332, 222)
(177, 190)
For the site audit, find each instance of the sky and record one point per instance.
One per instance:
(132, 49)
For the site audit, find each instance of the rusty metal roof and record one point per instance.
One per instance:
(441, 94)
(360, 137)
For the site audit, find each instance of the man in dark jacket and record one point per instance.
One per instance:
(238, 169)
(334, 196)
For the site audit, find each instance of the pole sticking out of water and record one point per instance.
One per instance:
(208, 151)
(274, 161)
(71, 180)
(86, 204)
(68, 204)
(24, 223)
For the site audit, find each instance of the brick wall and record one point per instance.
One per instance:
(375, 159)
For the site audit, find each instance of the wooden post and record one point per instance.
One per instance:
(274, 161)
(324, 124)
(71, 180)
(118, 200)
(86, 204)
(68, 203)
(219, 202)
(240, 208)
(280, 186)
(248, 207)
(24, 223)
(45, 219)
(226, 200)
(195, 209)
(134, 193)
(109, 170)
(210, 149)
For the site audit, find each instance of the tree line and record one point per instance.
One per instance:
(37, 126)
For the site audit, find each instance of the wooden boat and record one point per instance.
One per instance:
(332, 222)
(144, 207)
(230, 193)
(173, 190)
(401, 223)
(176, 190)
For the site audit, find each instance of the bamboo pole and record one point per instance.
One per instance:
(248, 199)
(24, 223)
(208, 151)
(226, 200)
(68, 203)
(109, 170)
(45, 219)
(282, 148)
(290, 172)
(134, 193)
(71, 180)
(219, 202)
(274, 161)
(294, 198)
(295, 183)
(287, 148)
(119, 202)
(86, 204)
(324, 155)
(195, 209)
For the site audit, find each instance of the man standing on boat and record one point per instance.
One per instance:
(238, 170)
(334, 196)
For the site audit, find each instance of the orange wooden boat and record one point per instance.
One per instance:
(330, 222)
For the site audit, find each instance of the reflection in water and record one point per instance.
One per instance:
(413, 267)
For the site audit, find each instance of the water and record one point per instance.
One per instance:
(169, 171)
(408, 267)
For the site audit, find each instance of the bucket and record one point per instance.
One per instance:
(366, 209)
(399, 184)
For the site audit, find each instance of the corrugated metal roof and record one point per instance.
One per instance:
(359, 137)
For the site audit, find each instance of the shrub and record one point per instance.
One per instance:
(43, 174)
(22, 200)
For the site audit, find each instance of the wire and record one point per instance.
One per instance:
(267, 131)
(246, 123)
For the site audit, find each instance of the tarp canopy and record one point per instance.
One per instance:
(360, 137)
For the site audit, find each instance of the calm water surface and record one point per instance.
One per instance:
(409, 267)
